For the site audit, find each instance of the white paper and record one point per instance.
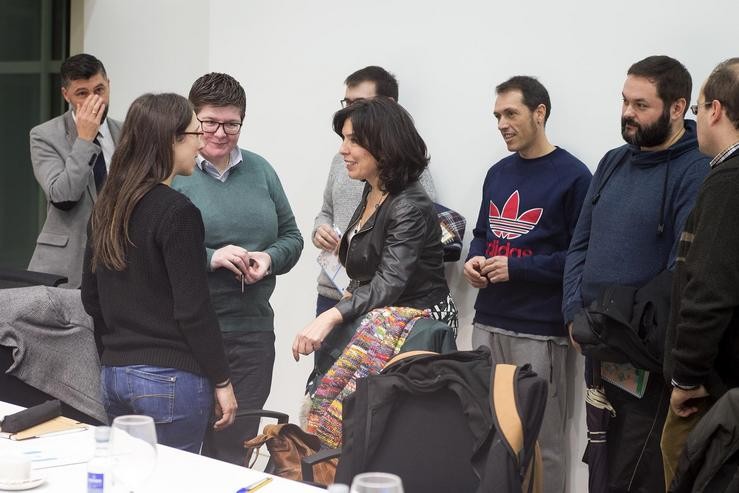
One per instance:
(57, 450)
(330, 264)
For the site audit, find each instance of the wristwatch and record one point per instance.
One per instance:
(683, 387)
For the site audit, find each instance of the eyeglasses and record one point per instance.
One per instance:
(198, 133)
(346, 101)
(694, 108)
(211, 127)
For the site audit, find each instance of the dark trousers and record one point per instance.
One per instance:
(251, 356)
(675, 436)
(634, 434)
(324, 303)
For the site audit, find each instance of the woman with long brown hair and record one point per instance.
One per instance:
(144, 281)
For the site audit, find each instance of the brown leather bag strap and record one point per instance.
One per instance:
(253, 446)
(252, 455)
(504, 403)
(408, 354)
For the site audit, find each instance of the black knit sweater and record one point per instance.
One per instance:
(704, 329)
(157, 311)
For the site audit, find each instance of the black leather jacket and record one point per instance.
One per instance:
(397, 257)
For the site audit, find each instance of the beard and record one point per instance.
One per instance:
(649, 135)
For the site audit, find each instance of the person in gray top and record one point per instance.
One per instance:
(70, 155)
(342, 194)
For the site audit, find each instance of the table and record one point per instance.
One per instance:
(176, 471)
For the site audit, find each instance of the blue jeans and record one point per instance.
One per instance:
(180, 402)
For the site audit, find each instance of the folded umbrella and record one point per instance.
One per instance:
(32, 416)
(598, 412)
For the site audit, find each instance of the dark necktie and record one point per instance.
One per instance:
(99, 170)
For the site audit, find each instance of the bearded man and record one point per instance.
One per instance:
(627, 233)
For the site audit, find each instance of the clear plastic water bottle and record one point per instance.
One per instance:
(100, 467)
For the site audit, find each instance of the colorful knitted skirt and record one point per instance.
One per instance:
(379, 337)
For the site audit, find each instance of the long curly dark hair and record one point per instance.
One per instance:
(386, 130)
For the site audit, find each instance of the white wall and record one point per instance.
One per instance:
(292, 57)
(147, 46)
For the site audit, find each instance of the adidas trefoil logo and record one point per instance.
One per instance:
(508, 224)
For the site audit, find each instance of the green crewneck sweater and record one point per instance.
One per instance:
(250, 210)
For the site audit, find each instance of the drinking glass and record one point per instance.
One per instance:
(134, 450)
(376, 482)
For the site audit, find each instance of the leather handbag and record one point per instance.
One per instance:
(288, 444)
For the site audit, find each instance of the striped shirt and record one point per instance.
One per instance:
(724, 155)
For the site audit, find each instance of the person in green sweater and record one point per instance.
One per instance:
(250, 237)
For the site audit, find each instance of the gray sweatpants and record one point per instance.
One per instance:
(548, 359)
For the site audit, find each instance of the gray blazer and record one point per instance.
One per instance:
(62, 164)
(53, 345)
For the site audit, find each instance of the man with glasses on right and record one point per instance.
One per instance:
(626, 235)
(342, 194)
(702, 348)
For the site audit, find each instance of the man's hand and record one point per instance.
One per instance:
(572, 339)
(312, 336)
(472, 273)
(496, 269)
(231, 257)
(88, 116)
(326, 238)
(225, 407)
(680, 400)
(259, 265)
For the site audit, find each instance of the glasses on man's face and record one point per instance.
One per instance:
(211, 127)
(346, 101)
(694, 108)
(197, 133)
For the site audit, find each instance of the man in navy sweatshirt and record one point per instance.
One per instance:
(627, 233)
(530, 204)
